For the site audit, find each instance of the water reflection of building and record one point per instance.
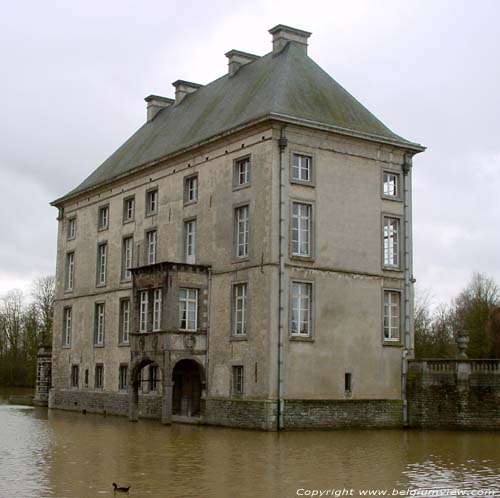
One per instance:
(239, 260)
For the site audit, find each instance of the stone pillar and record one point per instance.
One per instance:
(44, 375)
(133, 402)
(166, 402)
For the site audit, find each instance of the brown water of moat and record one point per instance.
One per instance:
(64, 454)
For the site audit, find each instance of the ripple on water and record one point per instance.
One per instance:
(71, 455)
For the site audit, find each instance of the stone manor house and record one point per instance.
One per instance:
(243, 259)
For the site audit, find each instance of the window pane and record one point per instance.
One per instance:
(301, 308)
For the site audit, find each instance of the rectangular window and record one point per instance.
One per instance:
(74, 375)
(242, 172)
(301, 168)
(124, 321)
(191, 189)
(391, 242)
(153, 378)
(99, 325)
(392, 316)
(123, 377)
(188, 309)
(301, 229)
(67, 324)
(347, 382)
(156, 309)
(70, 270)
(71, 229)
(128, 209)
(127, 257)
(143, 312)
(239, 309)
(99, 377)
(152, 201)
(390, 184)
(102, 256)
(238, 380)
(241, 220)
(151, 247)
(103, 220)
(190, 242)
(301, 309)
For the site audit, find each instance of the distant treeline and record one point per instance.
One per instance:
(25, 324)
(475, 312)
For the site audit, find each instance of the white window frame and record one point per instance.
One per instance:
(188, 307)
(391, 240)
(238, 380)
(301, 236)
(128, 257)
(302, 168)
(242, 172)
(191, 189)
(152, 239)
(99, 385)
(144, 311)
(190, 241)
(67, 326)
(391, 320)
(71, 235)
(70, 271)
(300, 291)
(128, 209)
(240, 309)
(152, 201)
(391, 189)
(242, 224)
(123, 377)
(157, 300)
(100, 311)
(103, 218)
(124, 321)
(102, 262)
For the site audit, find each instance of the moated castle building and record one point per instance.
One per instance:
(243, 259)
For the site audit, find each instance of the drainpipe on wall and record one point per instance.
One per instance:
(282, 143)
(407, 164)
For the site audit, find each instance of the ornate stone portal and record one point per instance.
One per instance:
(170, 332)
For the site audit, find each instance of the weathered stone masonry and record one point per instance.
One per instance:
(455, 394)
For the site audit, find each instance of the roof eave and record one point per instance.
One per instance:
(410, 146)
(348, 132)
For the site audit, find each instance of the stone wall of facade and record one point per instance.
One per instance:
(104, 402)
(454, 394)
(341, 414)
(248, 414)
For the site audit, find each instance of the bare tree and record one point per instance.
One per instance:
(472, 310)
(43, 293)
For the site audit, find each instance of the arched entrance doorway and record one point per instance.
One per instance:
(186, 400)
(145, 379)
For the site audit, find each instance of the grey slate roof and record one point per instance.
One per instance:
(289, 84)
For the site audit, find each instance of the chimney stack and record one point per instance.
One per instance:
(283, 34)
(182, 88)
(156, 104)
(236, 59)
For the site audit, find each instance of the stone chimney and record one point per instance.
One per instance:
(182, 88)
(236, 59)
(284, 34)
(156, 104)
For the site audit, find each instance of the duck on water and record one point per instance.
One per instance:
(120, 489)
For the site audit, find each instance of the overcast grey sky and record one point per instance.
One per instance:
(74, 75)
